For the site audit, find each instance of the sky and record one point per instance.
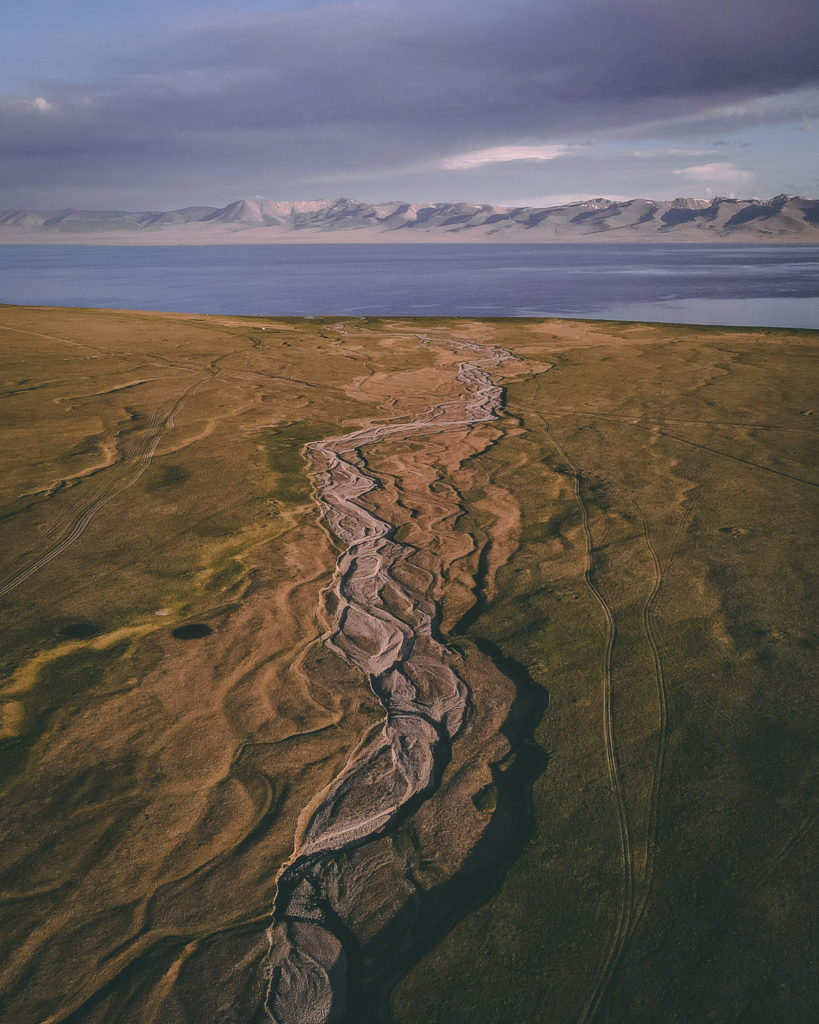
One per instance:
(158, 104)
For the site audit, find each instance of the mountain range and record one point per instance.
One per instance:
(783, 219)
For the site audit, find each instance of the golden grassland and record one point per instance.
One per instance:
(634, 539)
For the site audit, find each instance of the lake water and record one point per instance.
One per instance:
(773, 286)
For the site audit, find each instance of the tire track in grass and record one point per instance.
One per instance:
(71, 524)
(626, 910)
(658, 764)
(660, 573)
(643, 881)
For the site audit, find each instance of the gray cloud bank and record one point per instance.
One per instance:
(353, 90)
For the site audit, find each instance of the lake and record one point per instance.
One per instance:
(742, 285)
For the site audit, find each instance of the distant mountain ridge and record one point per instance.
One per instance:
(783, 219)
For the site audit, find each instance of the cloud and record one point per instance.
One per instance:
(720, 172)
(761, 110)
(563, 199)
(39, 105)
(503, 154)
(272, 102)
(655, 154)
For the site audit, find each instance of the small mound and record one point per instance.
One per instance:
(193, 631)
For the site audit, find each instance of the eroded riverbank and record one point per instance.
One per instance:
(383, 622)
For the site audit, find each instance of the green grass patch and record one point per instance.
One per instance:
(282, 448)
(62, 685)
(226, 576)
(160, 475)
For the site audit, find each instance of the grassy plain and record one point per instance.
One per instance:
(636, 540)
